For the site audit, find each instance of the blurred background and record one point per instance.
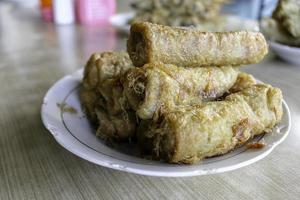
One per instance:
(244, 8)
(86, 26)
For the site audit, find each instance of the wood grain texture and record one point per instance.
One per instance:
(33, 55)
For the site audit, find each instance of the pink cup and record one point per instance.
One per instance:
(95, 12)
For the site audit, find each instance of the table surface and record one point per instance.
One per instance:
(34, 55)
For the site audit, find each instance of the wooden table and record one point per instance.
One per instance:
(33, 55)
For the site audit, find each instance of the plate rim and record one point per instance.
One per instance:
(55, 133)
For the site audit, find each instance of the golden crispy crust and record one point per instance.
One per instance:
(188, 134)
(103, 66)
(157, 86)
(192, 48)
(102, 95)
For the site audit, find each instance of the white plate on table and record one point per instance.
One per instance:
(74, 132)
(233, 23)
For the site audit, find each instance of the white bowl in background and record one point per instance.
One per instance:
(288, 53)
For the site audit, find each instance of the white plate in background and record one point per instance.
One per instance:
(74, 132)
(233, 23)
(287, 53)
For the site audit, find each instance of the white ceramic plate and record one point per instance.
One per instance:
(74, 132)
(233, 23)
(288, 53)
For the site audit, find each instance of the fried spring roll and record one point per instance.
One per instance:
(287, 14)
(275, 32)
(102, 74)
(242, 82)
(105, 65)
(90, 100)
(102, 95)
(189, 134)
(119, 127)
(192, 48)
(157, 86)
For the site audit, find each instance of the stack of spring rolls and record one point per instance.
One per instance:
(181, 94)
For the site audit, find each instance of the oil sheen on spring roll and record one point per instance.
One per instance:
(157, 86)
(102, 95)
(189, 134)
(192, 48)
